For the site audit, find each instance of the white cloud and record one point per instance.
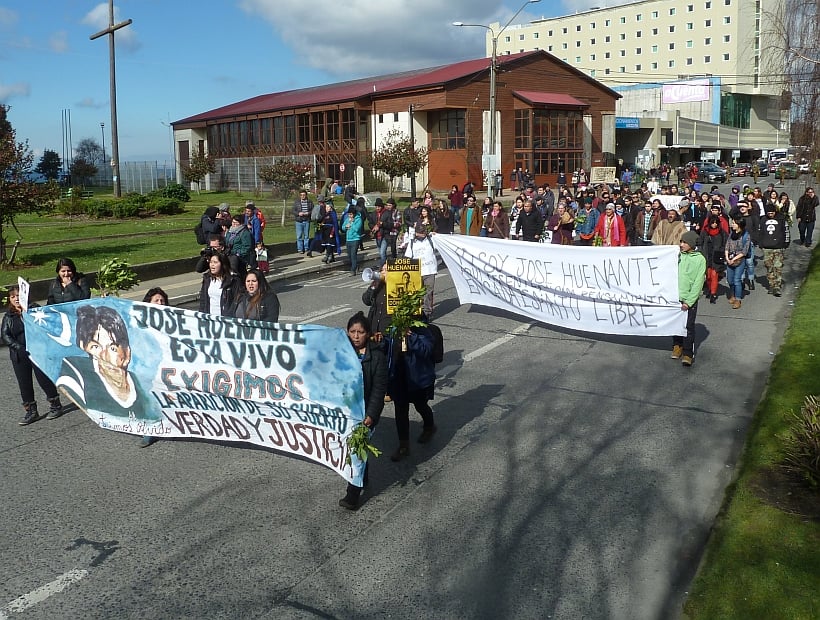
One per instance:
(58, 42)
(9, 91)
(126, 38)
(573, 6)
(88, 102)
(7, 17)
(372, 38)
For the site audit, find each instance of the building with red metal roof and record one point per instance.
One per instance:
(551, 119)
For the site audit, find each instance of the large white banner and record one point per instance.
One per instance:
(168, 372)
(628, 290)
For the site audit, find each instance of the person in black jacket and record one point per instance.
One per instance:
(774, 238)
(257, 301)
(219, 287)
(375, 296)
(712, 244)
(529, 225)
(807, 215)
(14, 336)
(69, 285)
(411, 379)
(374, 378)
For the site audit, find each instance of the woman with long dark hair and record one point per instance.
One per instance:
(69, 285)
(257, 301)
(374, 378)
(738, 246)
(219, 287)
(14, 335)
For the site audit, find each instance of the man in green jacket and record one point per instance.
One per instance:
(691, 276)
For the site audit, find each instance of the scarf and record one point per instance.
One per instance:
(612, 235)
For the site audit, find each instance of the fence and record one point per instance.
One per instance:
(242, 173)
(137, 176)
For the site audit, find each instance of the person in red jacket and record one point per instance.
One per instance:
(611, 228)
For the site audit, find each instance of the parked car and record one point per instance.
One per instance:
(741, 169)
(710, 173)
(787, 170)
(763, 166)
(804, 167)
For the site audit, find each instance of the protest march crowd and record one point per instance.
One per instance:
(718, 237)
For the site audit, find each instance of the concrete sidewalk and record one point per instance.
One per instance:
(183, 288)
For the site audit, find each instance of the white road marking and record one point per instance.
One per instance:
(497, 342)
(314, 316)
(22, 603)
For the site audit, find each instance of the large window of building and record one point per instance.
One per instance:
(349, 124)
(266, 123)
(447, 130)
(735, 110)
(553, 140)
(303, 128)
(318, 128)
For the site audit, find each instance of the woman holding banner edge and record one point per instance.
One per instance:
(374, 377)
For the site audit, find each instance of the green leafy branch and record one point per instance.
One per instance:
(358, 443)
(115, 275)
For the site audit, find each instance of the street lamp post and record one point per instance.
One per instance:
(102, 133)
(493, 75)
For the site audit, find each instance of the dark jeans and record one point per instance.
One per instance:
(353, 254)
(402, 410)
(806, 231)
(688, 342)
(23, 370)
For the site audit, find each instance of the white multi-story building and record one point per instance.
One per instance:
(696, 76)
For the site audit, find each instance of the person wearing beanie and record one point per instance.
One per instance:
(774, 238)
(691, 276)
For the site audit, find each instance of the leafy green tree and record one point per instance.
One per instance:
(17, 193)
(199, 166)
(285, 175)
(82, 170)
(398, 156)
(50, 164)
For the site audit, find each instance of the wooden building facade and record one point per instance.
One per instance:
(550, 118)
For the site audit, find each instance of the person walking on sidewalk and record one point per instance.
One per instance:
(691, 276)
(352, 227)
(807, 215)
(302, 208)
(774, 238)
(13, 334)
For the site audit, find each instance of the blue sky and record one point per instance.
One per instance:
(180, 58)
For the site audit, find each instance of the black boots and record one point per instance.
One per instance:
(351, 499)
(31, 414)
(55, 408)
(402, 452)
(427, 434)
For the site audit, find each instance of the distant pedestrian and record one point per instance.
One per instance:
(302, 208)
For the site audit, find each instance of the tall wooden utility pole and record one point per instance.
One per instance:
(115, 147)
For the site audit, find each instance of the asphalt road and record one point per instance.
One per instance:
(571, 477)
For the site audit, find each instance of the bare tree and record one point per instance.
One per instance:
(794, 33)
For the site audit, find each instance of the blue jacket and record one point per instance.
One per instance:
(413, 371)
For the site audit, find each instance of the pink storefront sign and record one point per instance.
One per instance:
(693, 90)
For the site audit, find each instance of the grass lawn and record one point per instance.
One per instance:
(90, 242)
(763, 562)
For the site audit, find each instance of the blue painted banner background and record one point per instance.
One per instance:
(296, 389)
